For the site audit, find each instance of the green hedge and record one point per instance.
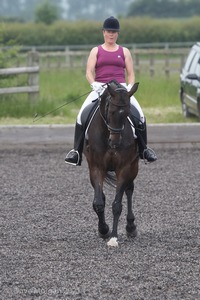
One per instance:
(133, 30)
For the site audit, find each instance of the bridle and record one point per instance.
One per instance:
(109, 100)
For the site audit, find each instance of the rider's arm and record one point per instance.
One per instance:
(90, 69)
(129, 67)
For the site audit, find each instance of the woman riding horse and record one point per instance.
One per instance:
(107, 62)
(112, 155)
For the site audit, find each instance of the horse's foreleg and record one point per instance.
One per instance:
(99, 208)
(116, 209)
(130, 227)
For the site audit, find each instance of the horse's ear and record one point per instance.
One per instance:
(133, 89)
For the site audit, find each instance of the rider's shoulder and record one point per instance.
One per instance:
(93, 52)
(94, 49)
(126, 50)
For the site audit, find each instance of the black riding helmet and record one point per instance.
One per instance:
(111, 24)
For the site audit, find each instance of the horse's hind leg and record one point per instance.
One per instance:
(130, 227)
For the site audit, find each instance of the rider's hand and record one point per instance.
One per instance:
(97, 87)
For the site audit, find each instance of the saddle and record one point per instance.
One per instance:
(90, 110)
(134, 116)
(88, 113)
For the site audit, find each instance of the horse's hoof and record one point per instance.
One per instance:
(113, 242)
(104, 234)
(131, 234)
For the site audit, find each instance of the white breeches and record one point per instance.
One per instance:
(93, 96)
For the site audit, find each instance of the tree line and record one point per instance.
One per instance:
(165, 8)
(133, 31)
(49, 11)
(25, 10)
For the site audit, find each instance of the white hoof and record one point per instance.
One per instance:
(113, 242)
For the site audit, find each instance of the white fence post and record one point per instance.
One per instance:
(33, 78)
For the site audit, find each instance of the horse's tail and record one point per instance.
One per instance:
(111, 179)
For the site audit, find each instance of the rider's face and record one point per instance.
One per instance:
(110, 36)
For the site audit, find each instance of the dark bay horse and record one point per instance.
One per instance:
(110, 148)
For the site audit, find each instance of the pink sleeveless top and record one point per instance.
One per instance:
(110, 65)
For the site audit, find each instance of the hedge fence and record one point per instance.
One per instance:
(133, 30)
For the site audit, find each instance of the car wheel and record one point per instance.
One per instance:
(185, 110)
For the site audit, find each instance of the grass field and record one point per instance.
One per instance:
(158, 97)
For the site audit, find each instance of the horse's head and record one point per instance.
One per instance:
(116, 107)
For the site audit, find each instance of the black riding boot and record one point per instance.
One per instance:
(144, 152)
(74, 157)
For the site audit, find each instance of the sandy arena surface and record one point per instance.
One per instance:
(49, 244)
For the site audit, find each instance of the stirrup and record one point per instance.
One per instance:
(153, 153)
(67, 159)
